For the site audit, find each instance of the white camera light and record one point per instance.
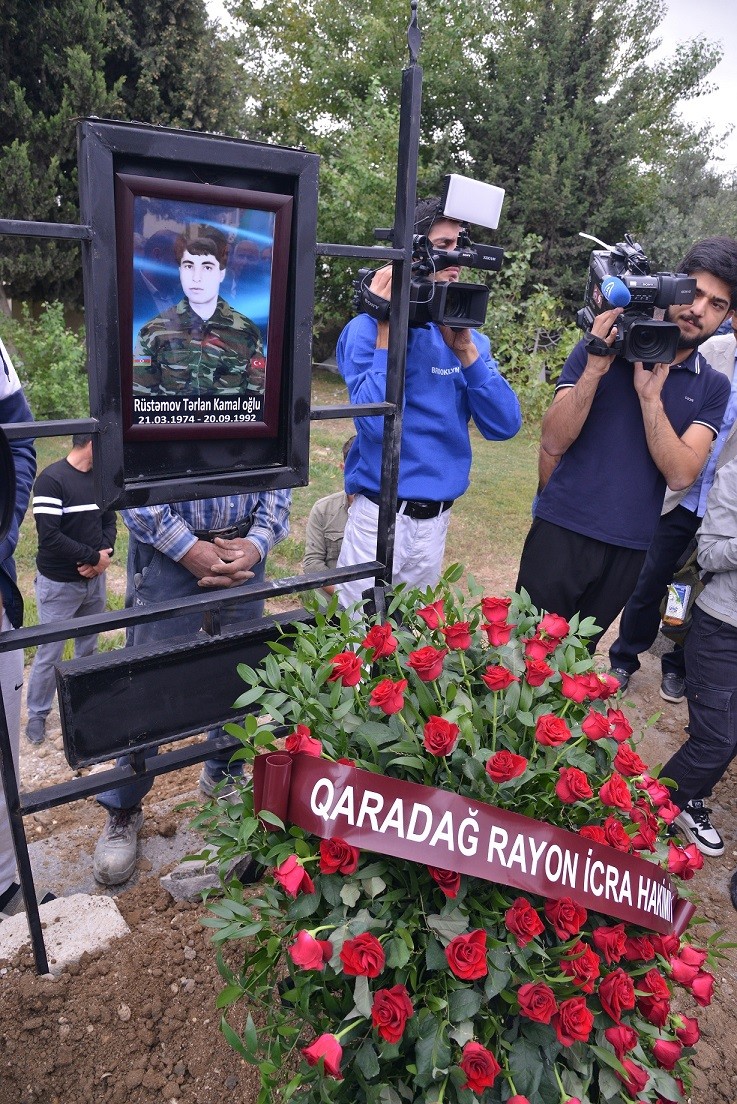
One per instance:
(473, 201)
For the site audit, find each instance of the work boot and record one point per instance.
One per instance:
(115, 854)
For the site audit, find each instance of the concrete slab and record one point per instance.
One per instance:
(72, 925)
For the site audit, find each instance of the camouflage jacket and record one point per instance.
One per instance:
(178, 352)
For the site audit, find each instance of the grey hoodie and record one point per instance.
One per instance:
(718, 540)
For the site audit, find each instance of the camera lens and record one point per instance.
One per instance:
(652, 341)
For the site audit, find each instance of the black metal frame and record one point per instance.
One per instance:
(399, 253)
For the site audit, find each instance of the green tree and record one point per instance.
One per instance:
(157, 61)
(557, 101)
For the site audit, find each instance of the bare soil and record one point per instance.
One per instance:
(138, 1023)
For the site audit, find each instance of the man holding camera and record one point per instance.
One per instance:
(616, 435)
(451, 377)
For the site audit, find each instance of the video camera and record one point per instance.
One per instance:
(619, 276)
(448, 304)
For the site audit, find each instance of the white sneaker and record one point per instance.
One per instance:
(695, 824)
(115, 854)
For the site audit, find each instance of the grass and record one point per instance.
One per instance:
(487, 530)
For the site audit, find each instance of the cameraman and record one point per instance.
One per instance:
(451, 377)
(617, 435)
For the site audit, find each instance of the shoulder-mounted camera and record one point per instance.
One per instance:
(446, 303)
(619, 276)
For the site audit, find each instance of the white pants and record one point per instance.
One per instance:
(11, 680)
(419, 547)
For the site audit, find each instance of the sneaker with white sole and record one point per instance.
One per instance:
(694, 822)
(115, 854)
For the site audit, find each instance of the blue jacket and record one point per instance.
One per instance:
(440, 399)
(14, 408)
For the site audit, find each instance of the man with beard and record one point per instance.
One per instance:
(616, 435)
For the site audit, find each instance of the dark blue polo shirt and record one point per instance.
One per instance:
(607, 485)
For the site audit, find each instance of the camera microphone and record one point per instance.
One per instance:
(615, 291)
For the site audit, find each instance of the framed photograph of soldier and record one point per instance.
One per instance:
(199, 283)
(206, 287)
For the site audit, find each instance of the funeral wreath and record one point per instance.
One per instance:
(468, 891)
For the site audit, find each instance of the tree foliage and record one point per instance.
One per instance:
(156, 61)
(557, 101)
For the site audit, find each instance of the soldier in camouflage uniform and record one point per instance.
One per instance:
(201, 346)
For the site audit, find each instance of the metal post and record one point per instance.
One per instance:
(407, 157)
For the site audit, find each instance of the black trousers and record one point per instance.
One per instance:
(711, 689)
(566, 573)
(640, 620)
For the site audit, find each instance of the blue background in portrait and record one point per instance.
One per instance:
(156, 284)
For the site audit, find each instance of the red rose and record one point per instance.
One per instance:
(684, 861)
(609, 686)
(646, 835)
(665, 945)
(656, 1011)
(666, 1052)
(617, 993)
(537, 1001)
(623, 1038)
(582, 966)
(638, 948)
(310, 953)
(480, 1067)
(427, 663)
(390, 1011)
(363, 956)
(681, 972)
(536, 672)
(572, 785)
(498, 634)
(503, 765)
(615, 834)
(379, 641)
(538, 649)
(337, 856)
(595, 725)
(610, 941)
(655, 790)
(616, 792)
(593, 832)
(457, 636)
(433, 615)
(621, 729)
(551, 731)
(668, 811)
(689, 1033)
(574, 687)
(293, 878)
(346, 669)
(466, 955)
(523, 922)
(448, 880)
(573, 1022)
(300, 740)
(388, 696)
(329, 1049)
(440, 736)
(702, 988)
(628, 762)
(636, 1077)
(495, 610)
(554, 625)
(566, 916)
(518, 1100)
(498, 678)
(654, 1001)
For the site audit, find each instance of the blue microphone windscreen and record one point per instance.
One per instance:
(615, 291)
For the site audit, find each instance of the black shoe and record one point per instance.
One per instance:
(622, 677)
(673, 688)
(694, 823)
(733, 889)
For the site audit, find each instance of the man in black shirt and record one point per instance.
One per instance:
(75, 544)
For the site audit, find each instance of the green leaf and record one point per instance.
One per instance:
(229, 995)
(463, 1033)
(397, 953)
(362, 997)
(463, 1004)
(432, 1051)
(449, 926)
(373, 887)
(350, 894)
(367, 1060)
